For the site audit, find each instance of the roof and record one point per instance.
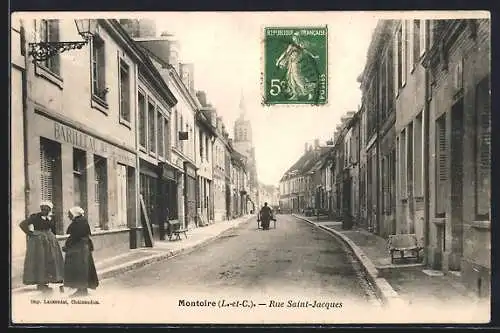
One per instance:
(307, 162)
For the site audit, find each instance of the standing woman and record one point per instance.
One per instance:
(79, 267)
(43, 263)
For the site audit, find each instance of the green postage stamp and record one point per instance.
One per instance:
(295, 65)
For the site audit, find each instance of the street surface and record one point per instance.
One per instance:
(294, 258)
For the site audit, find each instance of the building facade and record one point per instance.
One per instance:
(380, 87)
(459, 125)
(205, 138)
(18, 189)
(83, 126)
(219, 172)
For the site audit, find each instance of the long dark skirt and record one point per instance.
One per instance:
(79, 267)
(44, 261)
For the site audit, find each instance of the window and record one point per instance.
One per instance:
(151, 127)
(409, 161)
(423, 36)
(441, 165)
(415, 41)
(402, 164)
(181, 129)
(483, 150)
(124, 92)
(207, 145)
(166, 137)
(142, 119)
(200, 136)
(100, 189)
(98, 69)
(383, 71)
(49, 32)
(389, 77)
(176, 127)
(404, 48)
(397, 61)
(458, 76)
(160, 135)
(50, 178)
(79, 182)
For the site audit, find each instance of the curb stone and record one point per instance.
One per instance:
(138, 263)
(383, 289)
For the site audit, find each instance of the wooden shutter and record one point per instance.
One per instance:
(483, 162)
(47, 166)
(442, 164)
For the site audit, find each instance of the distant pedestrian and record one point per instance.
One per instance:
(265, 216)
(79, 268)
(43, 263)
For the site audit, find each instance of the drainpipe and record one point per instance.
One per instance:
(26, 91)
(135, 228)
(426, 124)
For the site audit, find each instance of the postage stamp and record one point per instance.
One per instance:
(295, 65)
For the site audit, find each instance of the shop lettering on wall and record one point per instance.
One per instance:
(86, 142)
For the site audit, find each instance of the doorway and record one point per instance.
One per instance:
(456, 178)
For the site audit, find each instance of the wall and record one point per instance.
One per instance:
(17, 167)
(468, 243)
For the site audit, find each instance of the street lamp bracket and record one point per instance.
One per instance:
(42, 51)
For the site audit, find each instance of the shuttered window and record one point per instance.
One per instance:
(409, 161)
(142, 119)
(442, 171)
(151, 127)
(160, 134)
(483, 150)
(50, 178)
(47, 172)
(402, 164)
(100, 188)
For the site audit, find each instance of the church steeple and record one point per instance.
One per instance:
(242, 105)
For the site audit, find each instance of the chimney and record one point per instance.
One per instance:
(305, 147)
(316, 143)
(202, 97)
(187, 76)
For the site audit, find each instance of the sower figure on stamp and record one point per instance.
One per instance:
(265, 216)
(299, 80)
(43, 263)
(79, 268)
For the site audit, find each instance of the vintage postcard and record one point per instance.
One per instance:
(250, 167)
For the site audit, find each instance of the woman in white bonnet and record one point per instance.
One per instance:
(79, 268)
(43, 263)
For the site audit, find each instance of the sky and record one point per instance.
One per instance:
(226, 50)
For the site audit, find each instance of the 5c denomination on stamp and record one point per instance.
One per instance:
(295, 65)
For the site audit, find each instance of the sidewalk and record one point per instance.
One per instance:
(161, 250)
(407, 281)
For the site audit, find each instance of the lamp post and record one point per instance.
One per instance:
(42, 51)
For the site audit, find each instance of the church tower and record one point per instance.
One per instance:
(243, 143)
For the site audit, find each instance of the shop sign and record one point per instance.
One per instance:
(86, 142)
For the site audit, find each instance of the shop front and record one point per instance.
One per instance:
(190, 195)
(167, 196)
(72, 166)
